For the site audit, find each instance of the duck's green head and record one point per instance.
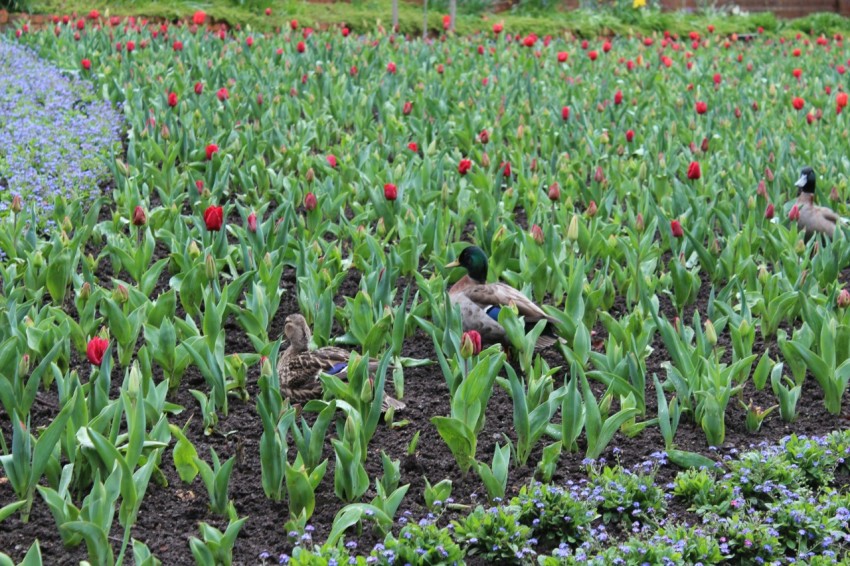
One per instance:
(474, 260)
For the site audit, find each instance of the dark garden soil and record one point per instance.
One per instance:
(170, 514)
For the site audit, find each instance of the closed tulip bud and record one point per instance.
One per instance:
(310, 175)
(761, 190)
(751, 202)
(843, 299)
(67, 225)
(744, 328)
(763, 275)
(554, 192)
(572, 231)
(120, 294)
(710, 333)
(485, 160)
(265, 367)
(194, 250)
(28, 322)
(18, 205)
(794, 213)
(769, 211)
(591, 209)
(24, 365)
(833, 195)
(599, 176)
(85, 291)
(768, 174)
(800, 248)
(639, 224)
(267, 259)
(470, 344)
(537, 234)
(210, 267)
(139, 217)
(382, 227)
(310, 202)
(252, 222)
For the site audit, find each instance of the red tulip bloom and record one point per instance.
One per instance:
(843, 299)
(701, 107)
(630, 135)
(391, 68)
(407, 108)
(293, 25)
(841, 100)
(565, 113)
(211, 149)
(199, 17)
(96, 349)
(470, 343)
(464, 166)
(86, 63)
(676, 229)
(618, 98)
(593, 55)
(554, 192)
(94, 14)
(301, 47)
(252, 222)
(390, 191)
(199, 88)
(506, 169)
(447, 21)
(484, 136)
(717, 79)
(769, 212)
(497, 28)
(222, 94)
(214, 218)
(794, 213)
(310, 202)
(529, 40)
(331, 159)
(131, 46)
(412, 146)
(694, 171)
(177, 46)
(562, 56)
(139, 218)
(172, 99)
(796, 53)
(798, 103)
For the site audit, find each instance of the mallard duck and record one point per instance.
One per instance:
(810, 217)
(480, 302)
(299, 367)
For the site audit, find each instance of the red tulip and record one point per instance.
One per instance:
(139, 218)
(211, 149)
(593, 55)
(301, 47)
(618, 98)
(293, 25)
(630, 135)
(310, 202)
(841, 99)
(86, 63)
(701, 107)
(407, 108)
(331, 159)
(412, 146)
(565, 113)
(676, 229)
(591, 209)
(96, 349)
(177, 46)
(172, 99)
(497, 28)
(345, 32)
(796, 53)
(390, 191)
(562, 57)
(717, 79)
(199, 88)
(447, 21)
(464, 166)
(391, 68)
(252, 222)
(131, 46)
(94, 14)
(554, 192)
(694, 171)
(249, 41)
(606, 47)
(214, 218)
(798, 103)
(843, 299)
(484, 136)
(769, 211)
(794, 213)
(470, 343)
(537, 234)
(222, 94)
(506, 169)
(797, 73)
(199, 17)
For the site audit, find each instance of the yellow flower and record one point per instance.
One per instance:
(638, 4)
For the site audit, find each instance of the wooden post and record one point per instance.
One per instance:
(452, 14)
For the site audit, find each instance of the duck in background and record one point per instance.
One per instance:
(809, 216)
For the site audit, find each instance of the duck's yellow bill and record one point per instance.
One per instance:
(453, 264)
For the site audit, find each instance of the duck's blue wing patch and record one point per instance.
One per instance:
(493, 312)
(337, 368)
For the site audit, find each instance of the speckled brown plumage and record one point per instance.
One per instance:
(299, 367)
